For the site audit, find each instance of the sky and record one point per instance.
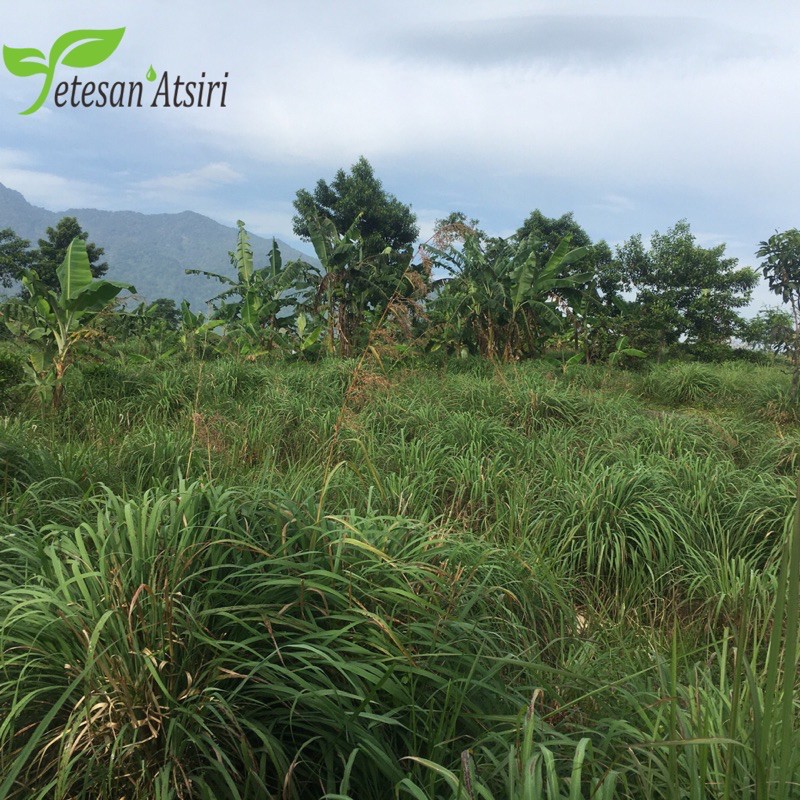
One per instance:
(631, 115)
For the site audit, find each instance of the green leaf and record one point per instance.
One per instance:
(275, 260)
(92, 47)
(322, 233)
(210, 325)
(244, 254)
(250, 308)
(221, 278)
(17, 61)
(74, 274)
(98, 294)
(312, 338)
(522, 279)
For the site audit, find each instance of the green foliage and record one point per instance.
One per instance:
(243, 625)
(503, 297)
(384, 220)
(15, 257)
(693, 384)
(53, 322)
(684, 290)
(781, 268)
(359, 593)
(771, 331)
(259, 303)
(622, 351)
(12, 370)
(47, 259)
(364, 238)
(164, 311)
(197, 333)
(339, 297)
(781, 265)
(380, 627)
(550, 231)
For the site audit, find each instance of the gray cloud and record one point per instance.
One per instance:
(590, 41)
(661, 110)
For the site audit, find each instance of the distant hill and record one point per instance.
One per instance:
(151, 251)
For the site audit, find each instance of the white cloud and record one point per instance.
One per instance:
(655, 112)
(218, 173)
(615, 204)
(41, 187)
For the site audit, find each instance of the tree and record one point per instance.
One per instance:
(593, 304)
(52, 250)
(338, 297)
(549, 232)
(52, 322)
(164, 311)
(685, 291)
(258, 301)
(385, 221)
(781, 268)
(15, 256)
(503, 295)
(771, 330)
(358, 207)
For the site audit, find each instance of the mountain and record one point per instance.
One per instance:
(151, 251)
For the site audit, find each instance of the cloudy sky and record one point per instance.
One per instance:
(632, 115)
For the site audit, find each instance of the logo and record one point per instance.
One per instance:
(88, 48)
(83, 48)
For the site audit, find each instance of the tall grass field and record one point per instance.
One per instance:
(416, 580)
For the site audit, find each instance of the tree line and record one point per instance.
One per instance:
(547, 288)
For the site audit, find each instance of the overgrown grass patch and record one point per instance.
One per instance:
(365, 580)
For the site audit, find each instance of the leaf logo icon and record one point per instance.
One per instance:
(81, 48)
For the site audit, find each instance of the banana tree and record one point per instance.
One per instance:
(255, 300)
(623, 351)
(342, 259)
(472, 304)
(536, 286)
(504, 292)
(52, 322)
(195, 328)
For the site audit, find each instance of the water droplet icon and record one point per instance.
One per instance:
(151, 74)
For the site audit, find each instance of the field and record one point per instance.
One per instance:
(418, 579)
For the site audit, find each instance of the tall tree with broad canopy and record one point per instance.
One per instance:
(15, 257)
(385, 221)
(685, 291)
(358, 206)
(53, 249)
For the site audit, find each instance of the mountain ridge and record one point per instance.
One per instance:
(151, 251)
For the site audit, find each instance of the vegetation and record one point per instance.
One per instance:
(15, 256)
(685, 290)
(485, 545)
(363, 238)
(781, 267)
(53, 322)
(52, 250)
(341, 579)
